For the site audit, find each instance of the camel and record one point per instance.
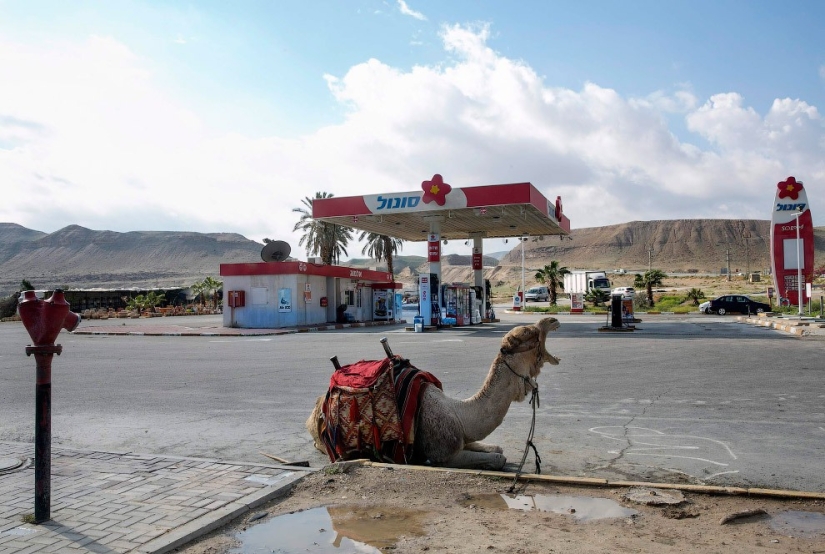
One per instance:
(449, 431)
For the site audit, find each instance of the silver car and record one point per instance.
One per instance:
(624, 291)
(537, 294)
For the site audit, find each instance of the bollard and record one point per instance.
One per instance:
(43, 320)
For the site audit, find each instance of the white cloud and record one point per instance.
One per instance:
(88, 136)
(406, 10)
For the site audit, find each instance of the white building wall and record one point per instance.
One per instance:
(263, 309)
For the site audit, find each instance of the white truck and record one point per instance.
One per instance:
(583, 281)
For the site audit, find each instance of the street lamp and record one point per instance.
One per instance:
(798, 263)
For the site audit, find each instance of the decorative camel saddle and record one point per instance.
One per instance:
(370, 409)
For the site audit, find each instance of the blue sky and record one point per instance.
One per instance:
(628, 110)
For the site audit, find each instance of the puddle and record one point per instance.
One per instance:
(332, 530)
(808, 525)
(582, 508)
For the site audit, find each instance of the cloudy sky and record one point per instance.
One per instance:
(218, 116)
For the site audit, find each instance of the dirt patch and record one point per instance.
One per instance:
(468, 513)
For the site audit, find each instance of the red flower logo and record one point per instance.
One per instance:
(790, 188)
(436, 190)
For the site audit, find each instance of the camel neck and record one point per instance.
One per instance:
(485, 411)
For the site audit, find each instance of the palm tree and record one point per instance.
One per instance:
(211, 286)
(153, 299)
(199, 289)
(381, 247)
(553, 276)
(597, 296)
(695, 295)
(138, 303)
(650, 279)
(320, 237)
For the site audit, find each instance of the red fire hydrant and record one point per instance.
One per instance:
(44, 320)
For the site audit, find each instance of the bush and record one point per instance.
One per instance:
(8, 306)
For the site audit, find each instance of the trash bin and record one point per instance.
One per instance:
(418, 324)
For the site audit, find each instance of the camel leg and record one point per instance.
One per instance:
(313, 424)
(483, 447)
(467, 459)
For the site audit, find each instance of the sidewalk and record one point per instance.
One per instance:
(122, 502)
(174, 330)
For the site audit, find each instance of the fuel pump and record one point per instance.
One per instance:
(435, 297)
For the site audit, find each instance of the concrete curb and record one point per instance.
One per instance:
(800, 328)
(599, 482)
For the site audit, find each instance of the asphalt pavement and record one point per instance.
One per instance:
(686, 399)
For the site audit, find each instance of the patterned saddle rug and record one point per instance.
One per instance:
(370, 410)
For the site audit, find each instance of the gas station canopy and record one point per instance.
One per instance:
(489, 211)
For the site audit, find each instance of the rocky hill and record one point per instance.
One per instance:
(674, 246)
(80, 257)
(682, 245)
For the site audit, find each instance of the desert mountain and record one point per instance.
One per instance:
(82, 258)
(682, 245)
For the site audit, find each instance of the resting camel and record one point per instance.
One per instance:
(448, 430)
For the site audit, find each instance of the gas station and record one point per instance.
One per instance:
(440, 212)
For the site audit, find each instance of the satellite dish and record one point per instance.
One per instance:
(275, 251)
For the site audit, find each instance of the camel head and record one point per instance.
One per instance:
(527, 342)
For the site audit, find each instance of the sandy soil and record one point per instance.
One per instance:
(400, 510)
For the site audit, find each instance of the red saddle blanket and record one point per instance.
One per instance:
(370, 410)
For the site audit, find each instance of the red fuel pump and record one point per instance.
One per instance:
(44, 320)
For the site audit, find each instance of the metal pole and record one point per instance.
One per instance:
(798, 265)
(727, 259)
(523, 299)
(43, 356)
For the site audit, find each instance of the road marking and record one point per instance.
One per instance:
(682, 457)
(242, 340)
(822, 428)
(636, 447)
(720, 473)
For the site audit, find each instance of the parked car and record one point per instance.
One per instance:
(537, 294)
(733, 303)
(624, 291)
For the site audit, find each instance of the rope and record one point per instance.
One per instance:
(534, 403)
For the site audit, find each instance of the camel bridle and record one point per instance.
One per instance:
(534, 403)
